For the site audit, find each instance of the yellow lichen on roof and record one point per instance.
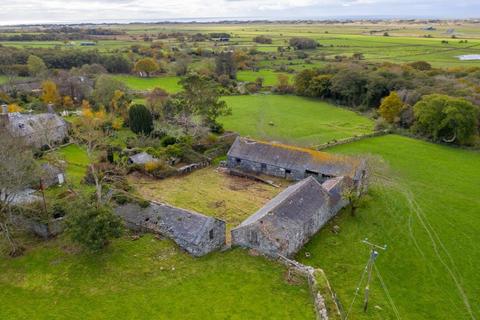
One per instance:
(316, 155)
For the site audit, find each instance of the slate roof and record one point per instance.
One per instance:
(35, 127)
(293, 158)
(141, 158)
(294, 204)
(182, 225)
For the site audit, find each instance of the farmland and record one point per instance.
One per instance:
(428, 216)
(292, 119)
(55, 280)
(169, 84)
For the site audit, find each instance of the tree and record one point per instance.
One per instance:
(146, 65)
(92, 226)
(262, 39)
(225, 65)
(120, 103)
(18, 171)
(105, 88)
(200, 96)
(303, 43)
(156, 101)
(349, 85)
(320, 86)
(88, 131)
(303, 81)
(50, 92)
(140, 119)
(283, 84)
(391, 107)
(446, 118)
(36, 66)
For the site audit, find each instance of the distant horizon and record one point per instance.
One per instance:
(207, 20)
(31, 12)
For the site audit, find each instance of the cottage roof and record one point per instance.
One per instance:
(292, 157)
(22, 125)
(141, 158)
(295, 204)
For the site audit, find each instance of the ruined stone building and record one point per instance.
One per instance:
(290, 162)
(37, 130)
(290, 219)
(194, 232)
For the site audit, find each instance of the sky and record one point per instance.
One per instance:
(72, 11)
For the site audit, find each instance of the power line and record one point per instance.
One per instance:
(389, 297)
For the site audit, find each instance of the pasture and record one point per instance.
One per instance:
(427, 214)
(146, 279)
(292, 119)
(169, 84)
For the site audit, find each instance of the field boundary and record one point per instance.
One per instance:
(319, 300)
(338, 142)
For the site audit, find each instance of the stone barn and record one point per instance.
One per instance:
(291, 162)
(37, 130)
(194, 232)
(290, 219)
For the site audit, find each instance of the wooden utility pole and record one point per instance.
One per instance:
(371, 262)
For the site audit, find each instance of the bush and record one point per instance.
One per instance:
(262, 39)
(140, 119)
(93, 227)
(303, 43)
(168, 140)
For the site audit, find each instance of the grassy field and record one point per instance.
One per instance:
(270, 78)
(77, 162)
(428, 217)
(295, 119)
(146, 279)
(209, 192)
(169, 84)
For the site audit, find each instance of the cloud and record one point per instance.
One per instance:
(31, 11)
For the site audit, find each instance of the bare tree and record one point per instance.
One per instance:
(88, 131)
(18, 171)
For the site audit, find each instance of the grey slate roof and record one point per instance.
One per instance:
(294, 158)
(295, 204)
(141, 158)
(36, 129)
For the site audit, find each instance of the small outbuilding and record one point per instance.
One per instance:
(291, 162)
(196, 233)
(290, 219)
(141, 158)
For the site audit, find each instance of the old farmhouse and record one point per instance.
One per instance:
(37, 130)
(291, 162)
(194, 232)
(290, 219)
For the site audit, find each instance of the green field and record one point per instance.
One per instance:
(146, 279)
(428, 215)
(169, 84)
(270, 78)
(295, 119)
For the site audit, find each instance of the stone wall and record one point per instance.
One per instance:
(258, 168)
(319, 297)
(351, 139)
(194, 232)
(41, 229)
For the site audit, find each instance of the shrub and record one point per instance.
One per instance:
(93, 227)
(262, 39)
(303, 43)
(140, 119)
(168, 140)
